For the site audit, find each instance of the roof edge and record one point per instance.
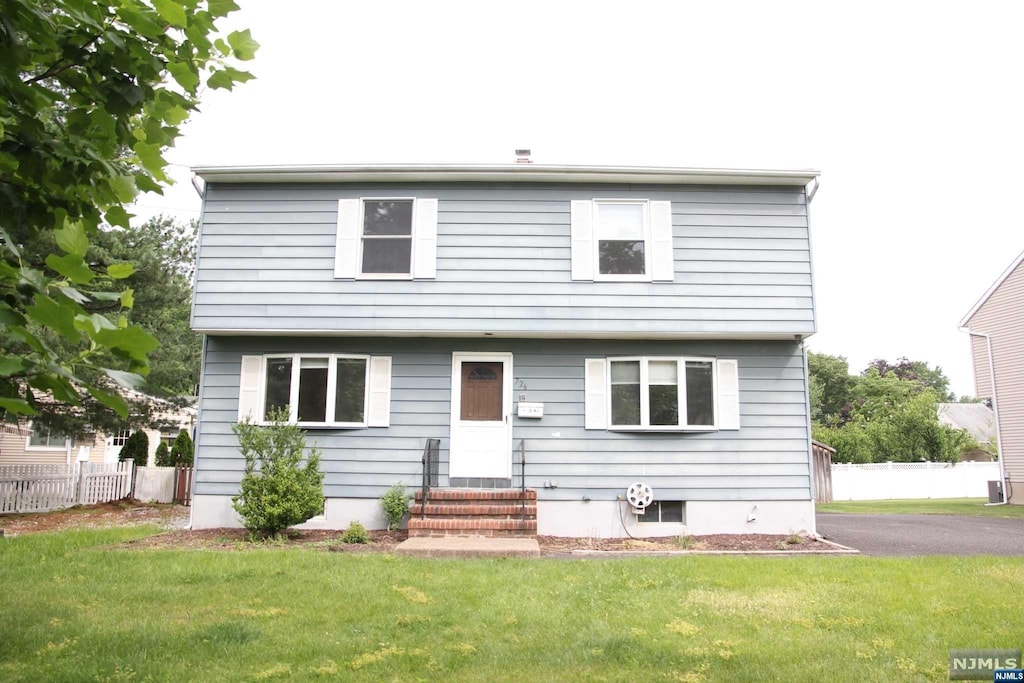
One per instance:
(503, 173)
(992, 290)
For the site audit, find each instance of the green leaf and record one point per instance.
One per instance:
(116, 215)
(10, 365)
(149, 156)
(221, 8)
(243, 45)
(123, 187)
(120, 271)
(129, 380)
(71, 238)
(49, 313)
(127, 298)
(72, 267)
(92, 324)
(10, 317)
(59, 387)
(74, 295)
(134, 342)
(185, 74)
(171, 12)
(109, 399)
(18, 406)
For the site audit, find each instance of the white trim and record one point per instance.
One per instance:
(361, 227)
(456, 404)
(613, 277)
(503, 173)
(681, 394)
(992, 290)
(332, 378)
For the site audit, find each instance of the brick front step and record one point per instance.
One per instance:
(478, 509)
(436, 495)
(472, 527)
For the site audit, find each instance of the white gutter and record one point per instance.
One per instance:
(504, 173)
(995, 409)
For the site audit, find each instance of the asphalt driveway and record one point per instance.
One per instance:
(910, 535)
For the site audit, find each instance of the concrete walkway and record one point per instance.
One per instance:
(462, 546)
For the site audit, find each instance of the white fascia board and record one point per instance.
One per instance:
(504, 173)
(992, 290)
(522, 334)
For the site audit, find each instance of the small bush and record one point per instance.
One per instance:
(182, 451)
(278, 491)
(136, 448)
(355, 533)
(396, 505)
(163, 456)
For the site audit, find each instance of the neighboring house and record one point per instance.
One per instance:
(619, 325)
(996, 327)
(978, 419)
(25, 444)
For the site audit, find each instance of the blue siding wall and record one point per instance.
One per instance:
(767, 459)
(742, 264)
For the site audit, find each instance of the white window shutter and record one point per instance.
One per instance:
(581, 217)
(596, 394)
(379, 414)
(728, 394)
(346, 245)
(425, 249)
(249, 384)
(662, 260)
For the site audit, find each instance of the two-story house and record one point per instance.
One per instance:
(615, 325)
(996, 328)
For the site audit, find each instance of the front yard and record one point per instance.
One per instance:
(78, 605)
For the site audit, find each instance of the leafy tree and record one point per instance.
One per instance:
(162, 456)
(831, 387)
(915, 371)
(93, 94)
(136, 448)
(278, 490)
(182, 450)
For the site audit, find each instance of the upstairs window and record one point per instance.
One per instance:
(622, 240)
(386, 238)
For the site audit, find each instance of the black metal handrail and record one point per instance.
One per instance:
(431, 463)
(522, 475)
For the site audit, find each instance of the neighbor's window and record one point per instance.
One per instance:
(662, 393)
(387, 237)
(664, 511)
(325, 390)
(621, 234)
(120, 438)
(42, 437)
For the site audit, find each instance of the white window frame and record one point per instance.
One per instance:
(647, 275)
(360, 275)
(332, 385)
(645, 411)
(117, 436)
(29, 446)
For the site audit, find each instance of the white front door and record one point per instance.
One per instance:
(481, 426)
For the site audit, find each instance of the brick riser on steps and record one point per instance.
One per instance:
(475, 512)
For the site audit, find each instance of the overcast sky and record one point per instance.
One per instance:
(912, 111)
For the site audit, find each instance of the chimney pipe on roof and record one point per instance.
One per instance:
(523, 156)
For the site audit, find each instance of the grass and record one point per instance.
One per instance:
(974, 507)
(75, 610)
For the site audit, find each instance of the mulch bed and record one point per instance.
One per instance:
(130, 513)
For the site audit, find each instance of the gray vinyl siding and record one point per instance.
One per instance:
(742, 264)
(767, 459)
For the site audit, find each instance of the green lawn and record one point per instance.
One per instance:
(974, 507)
(73, 610)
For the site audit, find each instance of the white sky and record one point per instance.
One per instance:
(911, 110)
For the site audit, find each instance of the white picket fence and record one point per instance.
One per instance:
(893, 480)
(37, 488)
